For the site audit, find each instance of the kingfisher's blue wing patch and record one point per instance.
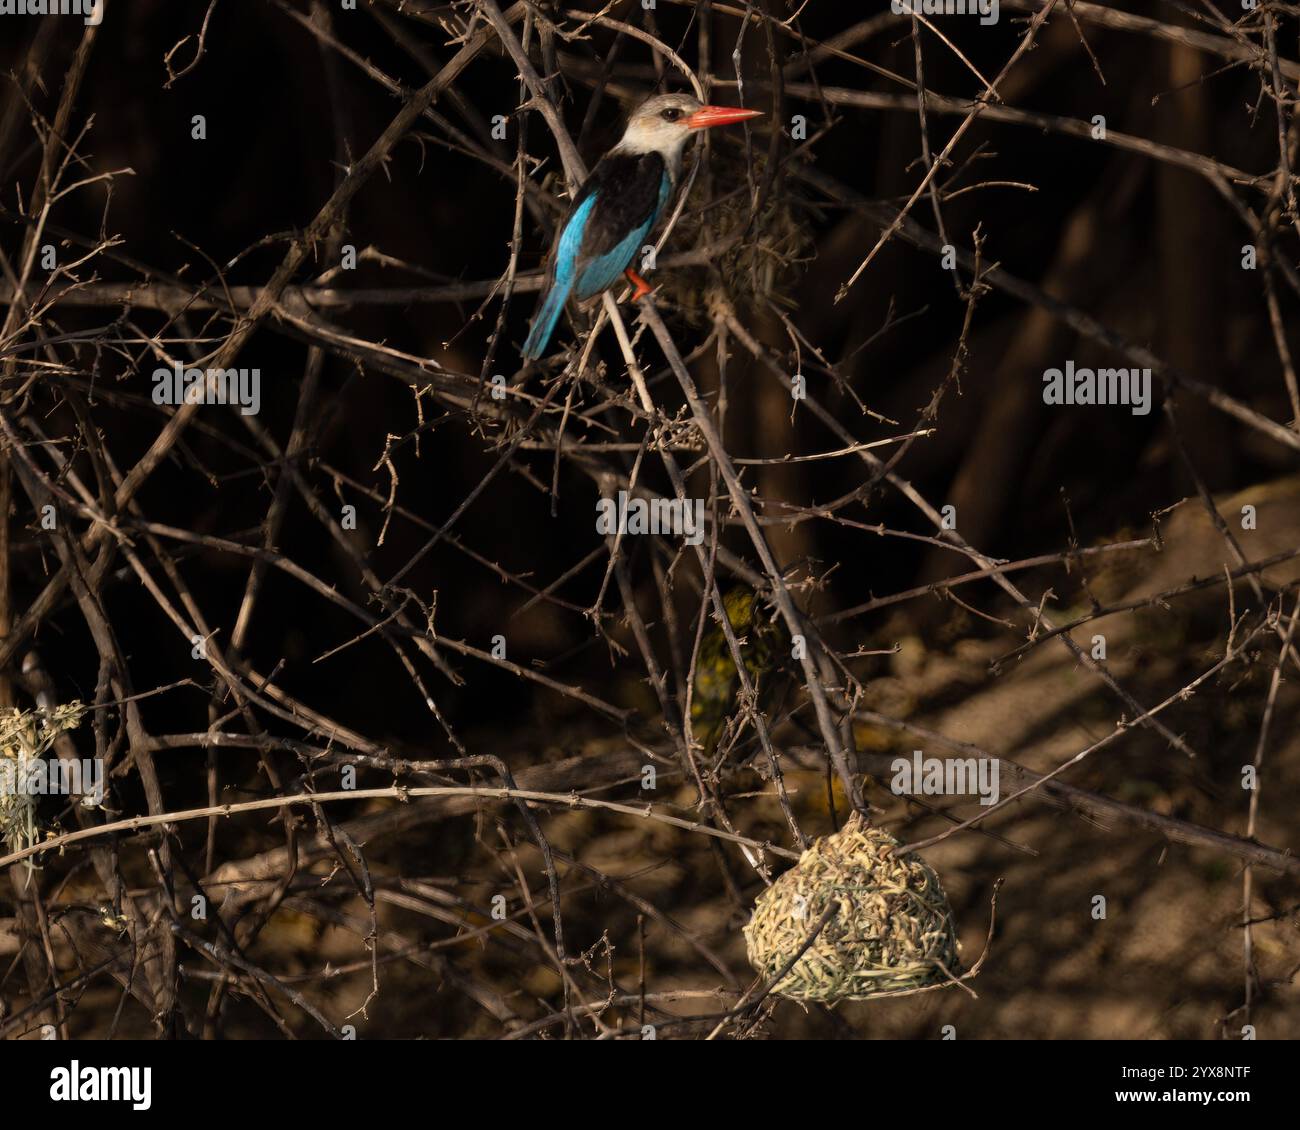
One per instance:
(606, 265)
(571, 238)
(604, 270)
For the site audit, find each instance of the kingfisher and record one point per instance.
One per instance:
(619, 204)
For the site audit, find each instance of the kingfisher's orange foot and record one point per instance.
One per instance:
(642, 287)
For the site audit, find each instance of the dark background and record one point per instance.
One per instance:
(1151, 250)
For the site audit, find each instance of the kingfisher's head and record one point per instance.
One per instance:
(665, 122)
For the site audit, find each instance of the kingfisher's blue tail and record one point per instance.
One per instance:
(548, 313)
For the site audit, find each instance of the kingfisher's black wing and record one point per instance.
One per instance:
(611, 217)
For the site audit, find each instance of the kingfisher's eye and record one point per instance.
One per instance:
(671, 114)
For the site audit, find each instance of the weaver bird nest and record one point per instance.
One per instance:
(26, 736)
(892, 928)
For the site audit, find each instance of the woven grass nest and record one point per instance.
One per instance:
(893, 928)
(25, 737)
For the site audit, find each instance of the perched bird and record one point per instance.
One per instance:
(763, 647)
(619, 204)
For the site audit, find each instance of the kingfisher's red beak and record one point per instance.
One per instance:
(708, 116)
